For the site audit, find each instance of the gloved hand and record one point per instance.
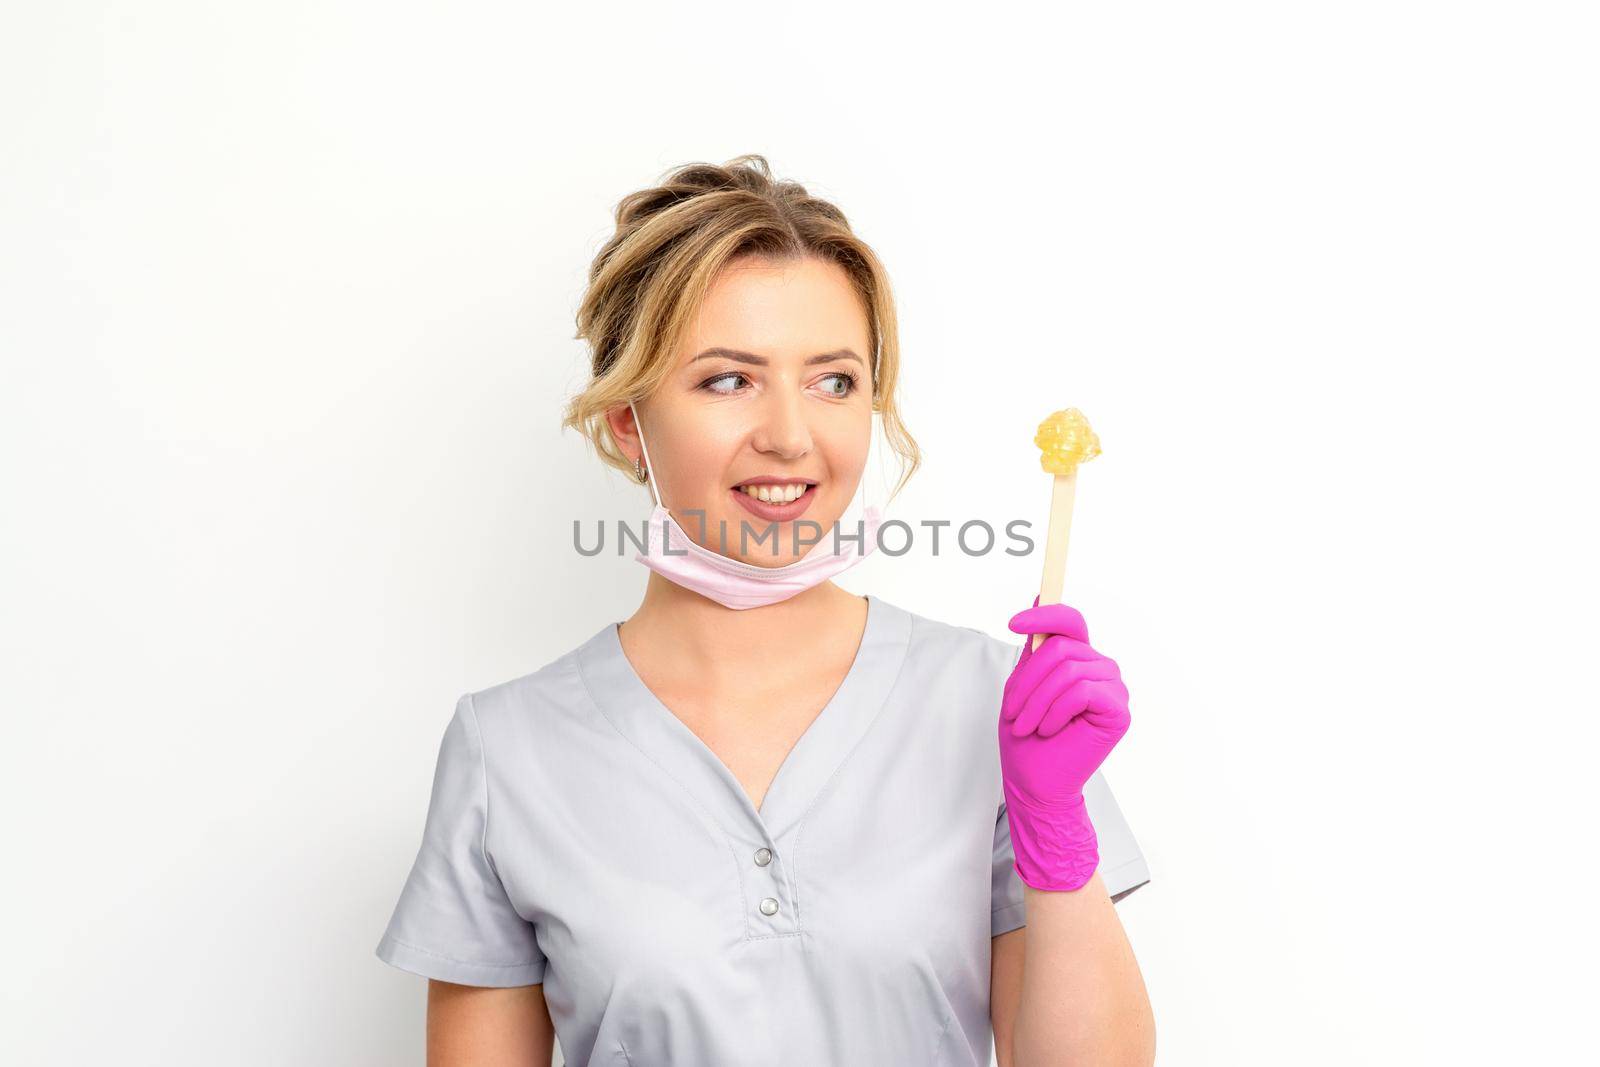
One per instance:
(1063, 709)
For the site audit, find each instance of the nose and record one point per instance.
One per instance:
(782, 427)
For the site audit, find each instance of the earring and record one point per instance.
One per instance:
(638, 472)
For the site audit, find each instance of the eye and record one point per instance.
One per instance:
(849, 383)
(707, 384)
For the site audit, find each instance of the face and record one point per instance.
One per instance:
(772, 388)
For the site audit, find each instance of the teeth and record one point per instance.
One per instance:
(775, 494)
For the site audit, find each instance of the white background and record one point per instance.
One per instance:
(287, 318)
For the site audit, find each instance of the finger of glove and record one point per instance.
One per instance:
(1090, 744)
(1032, 669)
(1031, 672)
(1050, 619)
(1064, 674)
(1027, 646)
(1063, 680)
(1101, 703)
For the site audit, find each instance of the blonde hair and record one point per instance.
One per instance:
(648, 280)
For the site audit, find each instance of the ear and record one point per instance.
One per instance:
(625, 431)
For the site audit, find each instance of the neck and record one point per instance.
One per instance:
(710, 641)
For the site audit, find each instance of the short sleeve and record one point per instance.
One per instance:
(455, 921)
(1007, 911)
(1122, 864)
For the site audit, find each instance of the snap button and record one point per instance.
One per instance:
(769, 906)
(763, 857)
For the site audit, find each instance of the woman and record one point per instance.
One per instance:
(765, 821)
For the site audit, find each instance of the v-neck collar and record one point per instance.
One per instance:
(623, 698)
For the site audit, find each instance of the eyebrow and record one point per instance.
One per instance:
(761, 361)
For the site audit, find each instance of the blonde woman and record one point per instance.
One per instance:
(763, 820)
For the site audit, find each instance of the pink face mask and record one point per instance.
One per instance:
(673, 554)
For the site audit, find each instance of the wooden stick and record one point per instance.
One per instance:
(1055, 546)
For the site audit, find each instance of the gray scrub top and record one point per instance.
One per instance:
(580, 835)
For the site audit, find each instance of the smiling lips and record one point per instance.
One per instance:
(775, 501)
(775, 493)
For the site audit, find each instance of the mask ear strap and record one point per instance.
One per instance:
(649, 468)
(866, 471)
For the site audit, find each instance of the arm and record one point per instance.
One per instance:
(455, 924)
(1103, 1018)
(1063, 708)
(1005, 990)
(1083, 1000)
(480, 1026)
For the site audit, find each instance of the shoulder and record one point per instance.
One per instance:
(527, 711)
(955, 674)
(940, 645)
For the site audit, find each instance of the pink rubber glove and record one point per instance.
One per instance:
(1063, 710)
